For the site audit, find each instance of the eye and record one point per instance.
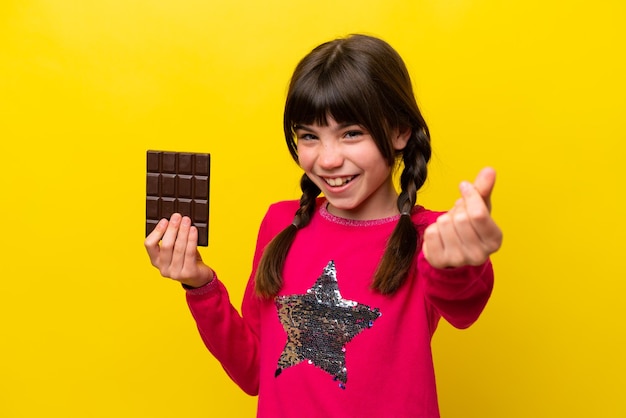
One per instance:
(353, 134)
(306, 136)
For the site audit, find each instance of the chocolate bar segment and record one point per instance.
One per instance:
(178, 182)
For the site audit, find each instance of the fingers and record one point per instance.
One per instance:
(477, 205)
(167, 244)
(177, 261)
(473, 208)
(483, 184)
(152, 241)
(452, 241)
(467, 234)
(170, 244)
(191, 249)
(173, 250)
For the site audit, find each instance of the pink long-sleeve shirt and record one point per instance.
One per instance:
(328, 345)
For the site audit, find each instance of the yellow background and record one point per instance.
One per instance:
(89, 329)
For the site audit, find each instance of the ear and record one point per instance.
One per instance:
(401, 137)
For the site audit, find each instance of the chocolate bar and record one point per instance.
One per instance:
(178, 182)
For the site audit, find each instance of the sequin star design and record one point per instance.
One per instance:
(319, 324)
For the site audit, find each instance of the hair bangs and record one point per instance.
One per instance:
(318, 99)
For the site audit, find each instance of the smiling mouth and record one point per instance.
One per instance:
(338, 181)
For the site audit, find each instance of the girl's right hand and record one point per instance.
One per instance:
(172, 248)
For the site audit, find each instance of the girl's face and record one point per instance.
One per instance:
(345, 163)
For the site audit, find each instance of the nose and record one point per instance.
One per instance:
(330, 156)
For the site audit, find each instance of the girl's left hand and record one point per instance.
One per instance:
(467, 234)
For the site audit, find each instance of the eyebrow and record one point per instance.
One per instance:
(311, 129)
(303, 127)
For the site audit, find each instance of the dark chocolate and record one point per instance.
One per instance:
(178, 182)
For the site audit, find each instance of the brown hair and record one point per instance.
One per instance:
(361, 80)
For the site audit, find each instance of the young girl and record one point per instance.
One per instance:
(346, 289)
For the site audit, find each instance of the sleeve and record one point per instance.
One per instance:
(232, 338)
(227, 335)
(459, 295)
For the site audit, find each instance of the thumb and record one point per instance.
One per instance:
(484, 183)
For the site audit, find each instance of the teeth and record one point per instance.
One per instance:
(338, 181)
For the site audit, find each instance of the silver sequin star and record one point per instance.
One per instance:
(319, 324)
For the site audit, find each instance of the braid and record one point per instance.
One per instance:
(269, 280)
(402, 245)
(310, 191)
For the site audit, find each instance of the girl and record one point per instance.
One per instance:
(344, 297)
